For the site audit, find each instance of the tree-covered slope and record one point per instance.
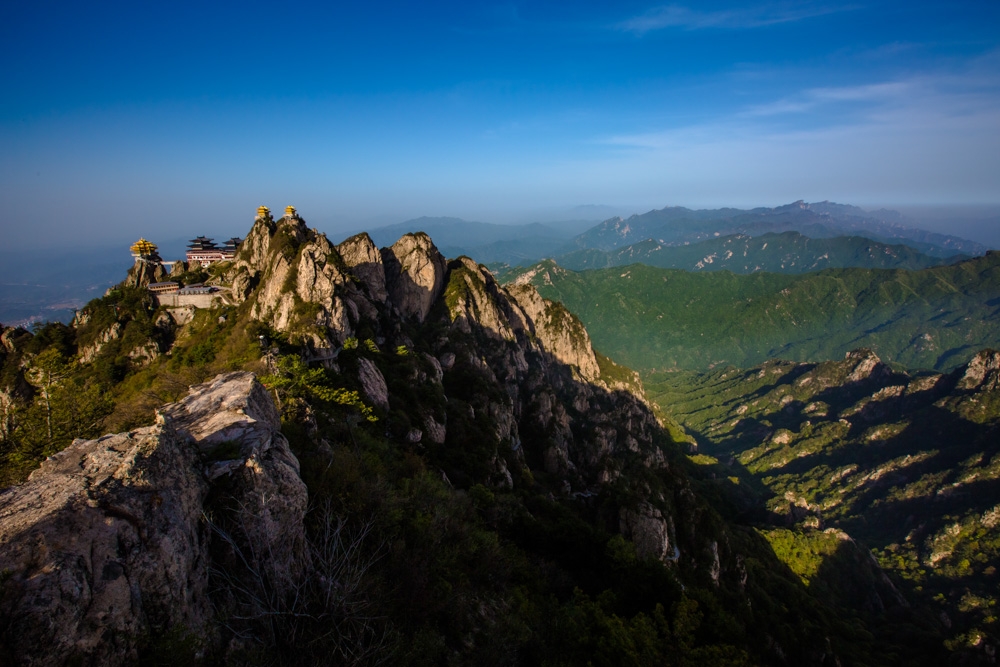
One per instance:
(786, 252)
(908, 464)
(657, 319)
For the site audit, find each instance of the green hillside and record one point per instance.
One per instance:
(787, 252)
(660, 319)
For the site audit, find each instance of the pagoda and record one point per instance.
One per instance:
(203, 251)
(145, 251)
(264, 213)
(231, 246)
(290, 212)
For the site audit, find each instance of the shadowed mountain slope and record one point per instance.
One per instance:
(909, 464)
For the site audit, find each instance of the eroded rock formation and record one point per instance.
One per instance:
(107, 543)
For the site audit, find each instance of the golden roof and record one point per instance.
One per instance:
(262, 211)
(143, 247)
(290, 211)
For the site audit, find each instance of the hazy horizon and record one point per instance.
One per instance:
(974, 222)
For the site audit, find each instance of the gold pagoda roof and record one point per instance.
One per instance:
(290, 211)
(262, 211)
(143, 247)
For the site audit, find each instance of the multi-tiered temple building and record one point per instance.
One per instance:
(203, 251)
(144, 251)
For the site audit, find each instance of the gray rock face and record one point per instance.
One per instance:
(561, 333)
(105, 543)
(649, 530)
(373, 384)
(365, 261)
(478, 300)
(414, 275)
(104, 539)
(142, 273)
(865, 365)
(983, 372)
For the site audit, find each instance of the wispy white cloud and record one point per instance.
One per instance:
(813, 99)
(684, 18)
(941, 103)
(932, 136)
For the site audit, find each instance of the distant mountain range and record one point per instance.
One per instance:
(678, 225)
(784, 252)
(812, 237)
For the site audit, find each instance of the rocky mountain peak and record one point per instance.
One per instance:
(560, 332)
(415, 274)
(864, 364)
(362, 257)
(982, 373)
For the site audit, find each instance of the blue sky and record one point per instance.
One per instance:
(150, 118)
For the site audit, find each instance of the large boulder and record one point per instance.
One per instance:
(106, 542)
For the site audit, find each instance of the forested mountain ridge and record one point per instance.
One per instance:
(678, 225)
(483, 487)
(658, 319)
(785, 252)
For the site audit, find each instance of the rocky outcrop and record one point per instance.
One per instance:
(144, 272)
(559, 331)
(10, 337)
(865, 365)
(650, 531)
(106, 542)
(144, 354)
(982, 373)
(373, 384)
(363, 259)
(414, 275)
(474, 298)
(320, 281)
(89, 352)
